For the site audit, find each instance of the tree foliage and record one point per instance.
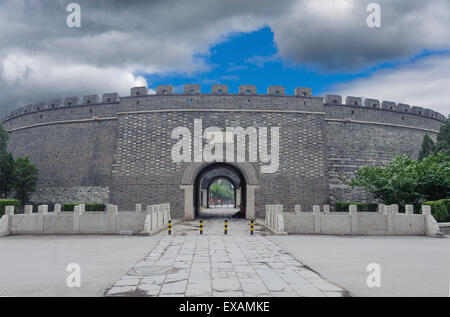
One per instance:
(443, 139)
(3, 140)
(18, 175)
(25, 179)
(406, 181)
(7, 168)
(221, 190)
(6, 164)
(442, 145)
(428, 147)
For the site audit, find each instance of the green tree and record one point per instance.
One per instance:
(25, 179)
(3, 140)
(405, 181)
(428, 147)
(6, 164)
(7, 167)
(443, 139)
(219, 190)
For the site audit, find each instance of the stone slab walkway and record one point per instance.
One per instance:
(213, 264)
(217, 212)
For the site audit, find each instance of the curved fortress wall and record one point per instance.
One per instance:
(74, 159)
(371, 134)
(119, 150)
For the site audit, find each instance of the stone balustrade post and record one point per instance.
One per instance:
(273, 216)
(279, 213)
(394, 209)
(148, 223)
(409, 209)
(43, 209)
(113, 213)
(316, 215)
(28, 209)
(353, 212)
(426, 210)
(154, 214)
(278, 210)
(57, 208)
(389, 212)
(9, 210)
(77, 212)
(5, 221)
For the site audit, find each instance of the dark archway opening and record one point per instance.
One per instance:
(212, 173)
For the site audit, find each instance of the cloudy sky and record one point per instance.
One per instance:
(322, 44)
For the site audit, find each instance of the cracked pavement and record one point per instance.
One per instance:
(213, 264)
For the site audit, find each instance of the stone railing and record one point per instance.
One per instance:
(444, 227)
(80, 221)
(274, 220)
(387, 221)
(156, 219)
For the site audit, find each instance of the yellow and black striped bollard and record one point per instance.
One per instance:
(169, 227)
(201, 226)
(251, 227)
(226, 227)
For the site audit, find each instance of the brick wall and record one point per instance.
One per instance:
(124, 157)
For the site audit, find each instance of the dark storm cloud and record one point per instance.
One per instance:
(333, 34)
(40, 58)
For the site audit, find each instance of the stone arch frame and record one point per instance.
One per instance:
(234, 179)
(192, 170)
(211, 167)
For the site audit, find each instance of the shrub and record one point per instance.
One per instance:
(440, 209)
(8, 202)
(95, 207)
(342, 206)
(88, 207)
(406, 181)
(68, 207)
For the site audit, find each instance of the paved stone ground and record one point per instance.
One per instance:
(410, 266)
(217, 212)
(187, 264)
(37, 265)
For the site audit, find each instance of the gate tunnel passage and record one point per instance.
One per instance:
(211, 174)
(244, 173)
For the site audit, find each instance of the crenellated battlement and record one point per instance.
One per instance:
(244, 90)
(336, 100)
(62, 103)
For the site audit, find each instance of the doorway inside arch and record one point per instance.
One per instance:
(220, 192)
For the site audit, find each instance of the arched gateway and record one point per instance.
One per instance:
(244, 176)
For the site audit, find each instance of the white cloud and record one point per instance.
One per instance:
(30, 78)
(333, 34)
(40, 58)
(423, 83)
